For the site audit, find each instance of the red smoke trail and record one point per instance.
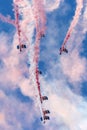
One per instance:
(74, 21)
(17, 22)
(39, 15)
(7, 19)
(21, 35)
(36, 58)
(38, 84)
(40, 21)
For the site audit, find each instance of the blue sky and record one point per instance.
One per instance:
(63, 77)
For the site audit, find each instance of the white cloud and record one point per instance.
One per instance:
(52, 5)
(73, 66)
(15, 114)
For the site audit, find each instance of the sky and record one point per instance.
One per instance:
(64, 77)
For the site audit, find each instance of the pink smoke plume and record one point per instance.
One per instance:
(40, 21)
(39, 15)
(7, 19)
(73, 23)
(17, 23)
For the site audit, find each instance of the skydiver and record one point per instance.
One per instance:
(42, 35)
(44, 98)
(22, 46)
(45, 118)
(41, 119)
(40, 72)
(46, 112)
(63, 49)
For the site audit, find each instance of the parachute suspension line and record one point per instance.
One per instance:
(73, 23)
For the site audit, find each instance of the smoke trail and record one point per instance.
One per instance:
(39, 15)
(74, 21)
(33, 77)
(7, 19)
(17, 23)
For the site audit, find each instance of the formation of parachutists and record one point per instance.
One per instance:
(36, 14)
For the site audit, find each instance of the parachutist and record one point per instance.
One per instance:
(63, 49)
